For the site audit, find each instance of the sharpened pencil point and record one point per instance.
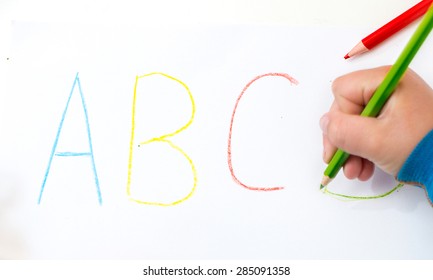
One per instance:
(325, 181)
(346, 56)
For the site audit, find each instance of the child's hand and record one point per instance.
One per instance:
(386, 140)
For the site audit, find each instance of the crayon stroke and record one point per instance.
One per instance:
(229, 148)
(351, 197)
(162, 139)
(69, 153)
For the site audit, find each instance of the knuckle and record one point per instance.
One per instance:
(336, 85)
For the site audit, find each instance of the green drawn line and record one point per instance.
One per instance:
(350, 197)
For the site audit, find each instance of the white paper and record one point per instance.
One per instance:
(276, 141)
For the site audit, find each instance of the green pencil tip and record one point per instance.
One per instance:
(321, 186)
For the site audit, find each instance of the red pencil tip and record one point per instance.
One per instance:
(346, 56)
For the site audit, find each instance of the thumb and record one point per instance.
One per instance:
(353, 134)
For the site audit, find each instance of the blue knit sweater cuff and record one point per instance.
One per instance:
(418, 168)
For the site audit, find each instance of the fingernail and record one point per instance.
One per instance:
(324, 120)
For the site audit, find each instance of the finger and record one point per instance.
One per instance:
(354, 134)
(353, 167)
(367, 170)
(353, 91)
(358, 168)
(351, 94)
(328, 148)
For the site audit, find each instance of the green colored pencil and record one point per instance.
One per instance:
(385, 89)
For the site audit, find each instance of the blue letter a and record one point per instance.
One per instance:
(87, 152)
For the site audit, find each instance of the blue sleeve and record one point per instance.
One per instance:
(418, 168)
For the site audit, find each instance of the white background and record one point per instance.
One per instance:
(222, 220)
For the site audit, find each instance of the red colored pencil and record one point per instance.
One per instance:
(390, 28)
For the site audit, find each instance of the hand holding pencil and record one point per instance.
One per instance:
(385, 141)
(366, 147)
